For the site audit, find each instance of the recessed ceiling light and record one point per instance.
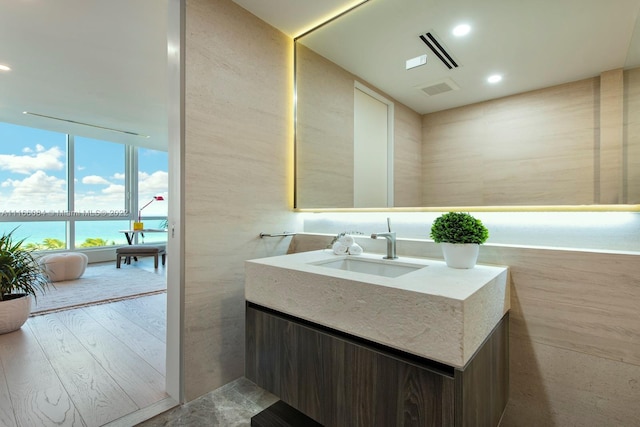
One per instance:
(461, 30)
(4, 68)
(495, 78)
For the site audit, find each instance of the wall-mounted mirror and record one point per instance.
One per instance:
(562, 127)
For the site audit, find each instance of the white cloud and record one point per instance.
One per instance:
(43, 160)
(154, 184)
(99, 201)
(37, 183)
(118, 176)
(37, 191)
(114, 189)
(95, 179)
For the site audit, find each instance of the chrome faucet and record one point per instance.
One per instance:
(391, 241)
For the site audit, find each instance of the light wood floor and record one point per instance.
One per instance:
(85, 367)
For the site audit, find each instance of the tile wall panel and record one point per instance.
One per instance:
(238, 154)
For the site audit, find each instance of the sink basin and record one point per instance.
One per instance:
(380, 267)
(416, 305)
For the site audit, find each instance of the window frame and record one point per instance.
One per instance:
(71, 217)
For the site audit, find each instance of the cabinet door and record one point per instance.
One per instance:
(339, 381)
(483, 386)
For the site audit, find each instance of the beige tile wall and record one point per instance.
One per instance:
(325, 157)
(325, 137)
(238, 159)
(536, 148)
(631, 135)
(575, 331)
(609, 144)
(576, 143)
(407, 157)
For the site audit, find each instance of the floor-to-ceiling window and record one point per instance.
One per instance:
(61, 191)
(152, 181)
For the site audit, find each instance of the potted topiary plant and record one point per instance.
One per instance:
(20, 277)
(461, 236)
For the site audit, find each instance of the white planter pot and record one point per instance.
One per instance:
(460, 255)
(13, 313)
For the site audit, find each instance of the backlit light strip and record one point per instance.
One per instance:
(332, 16)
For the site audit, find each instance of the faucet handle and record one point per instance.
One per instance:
(389, 224)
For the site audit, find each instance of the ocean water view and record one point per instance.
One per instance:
(109, 231)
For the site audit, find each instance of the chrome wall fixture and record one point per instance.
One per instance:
(283, 234)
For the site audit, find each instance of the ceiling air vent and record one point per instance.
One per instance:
(436, 47)
(437, 88)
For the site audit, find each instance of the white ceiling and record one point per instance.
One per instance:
(294, 17)
(99, 62)
(533, 44)
(104, 62)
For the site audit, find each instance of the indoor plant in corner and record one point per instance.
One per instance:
(461, 236)
(20, 277)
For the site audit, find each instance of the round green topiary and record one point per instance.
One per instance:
(458, 227)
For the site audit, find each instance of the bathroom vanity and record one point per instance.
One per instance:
(362, 341)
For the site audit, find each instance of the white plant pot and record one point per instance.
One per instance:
(13, 313)
(460, 255)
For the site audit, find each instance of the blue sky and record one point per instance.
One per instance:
(33, 172)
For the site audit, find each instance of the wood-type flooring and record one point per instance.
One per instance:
(92, 366)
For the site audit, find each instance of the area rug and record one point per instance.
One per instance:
(100, 283)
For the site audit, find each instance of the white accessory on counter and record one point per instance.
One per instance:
(346, 240)
(339, 248)
(355, 249)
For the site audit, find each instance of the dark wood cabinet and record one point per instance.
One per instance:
(340, 380)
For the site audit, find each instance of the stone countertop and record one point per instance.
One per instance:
(440, 313)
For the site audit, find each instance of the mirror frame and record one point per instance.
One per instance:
(503, 208)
